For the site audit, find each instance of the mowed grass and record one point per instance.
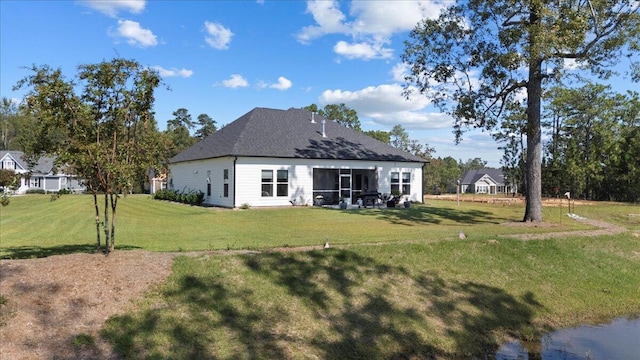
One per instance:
(35, 226)
(396, 283)
(446, 300)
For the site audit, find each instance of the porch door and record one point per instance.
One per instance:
(345, 185)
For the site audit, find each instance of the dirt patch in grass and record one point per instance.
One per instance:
(604, 229)
(54, 307)
(530, 224)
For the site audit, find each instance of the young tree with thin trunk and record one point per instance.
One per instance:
(479, 56)
(105, 133)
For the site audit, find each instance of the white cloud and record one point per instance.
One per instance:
(282, 84)
(389, 17)
(235, 81)
(573, 64)
(364, 51)
(173, 72)
(135, 34)
(386, 106)
(399, 71)
(329, 18)
(112, 7)
(218, 36)
(371, 24)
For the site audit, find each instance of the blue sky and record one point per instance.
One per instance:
(224, 58)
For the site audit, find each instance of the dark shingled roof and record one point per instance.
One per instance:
(43, 167)
(472, 176)
(290, 133)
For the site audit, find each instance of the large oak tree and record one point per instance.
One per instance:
(479, 56)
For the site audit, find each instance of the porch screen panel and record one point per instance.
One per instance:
(326, 183)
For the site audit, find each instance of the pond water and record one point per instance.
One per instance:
(619, 339)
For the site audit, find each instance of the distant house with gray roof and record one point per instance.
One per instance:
(486, 181)
(42, 175)
(271, 157)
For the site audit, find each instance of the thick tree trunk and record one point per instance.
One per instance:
(533, 167)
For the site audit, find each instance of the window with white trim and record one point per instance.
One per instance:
(267, 183)
(7, 163)
(406, 183)
(395, 182)
(225, 176)
(283, 183)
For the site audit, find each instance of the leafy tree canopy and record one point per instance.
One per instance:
(106, 133)
(340, 113)
(479, 56)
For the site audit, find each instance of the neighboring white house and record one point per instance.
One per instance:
(486, 181)
(270, 157)
(42, 176)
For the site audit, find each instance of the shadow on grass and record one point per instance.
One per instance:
(422, 214)
(32, 252)
(334, 304)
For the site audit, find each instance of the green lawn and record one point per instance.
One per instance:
(35, 226)
(398, 283)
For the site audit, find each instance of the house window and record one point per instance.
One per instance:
(283, 183)
(395, 182)
(8, 164)
(225, 176)
(267, 182)
(406, 183)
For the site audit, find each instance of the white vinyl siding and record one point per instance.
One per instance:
(245, 179)
(192, 176)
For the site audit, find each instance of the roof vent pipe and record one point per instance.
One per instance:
(324, 134)
(313, 115)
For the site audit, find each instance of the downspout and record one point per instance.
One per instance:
(234, 182)
(422, 181)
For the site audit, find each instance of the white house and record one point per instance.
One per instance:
(486, 181)
(41, 176)
(270, 157)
